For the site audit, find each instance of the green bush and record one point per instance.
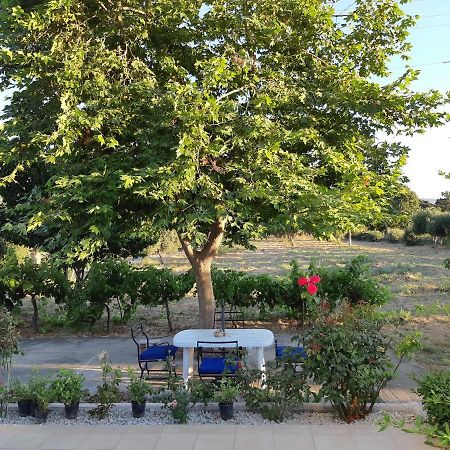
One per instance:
(108, 392)
(160, 287)
(420, 221)
(433, 223)
(108, 282)
(439, 226)
(68, 386)
(352, 283)
(21, 279)
(348, 356)
(369, 236)
(411, 238)
(283, 389)
(395, 235)
(434, 388)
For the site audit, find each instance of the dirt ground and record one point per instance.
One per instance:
(419, 283)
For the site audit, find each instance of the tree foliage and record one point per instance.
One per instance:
(226, 119)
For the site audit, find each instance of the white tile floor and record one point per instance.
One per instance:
(207, 437)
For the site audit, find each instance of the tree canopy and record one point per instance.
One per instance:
(221, 120)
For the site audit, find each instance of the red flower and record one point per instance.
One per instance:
(315, 279)
(303, 281)
(311, 288)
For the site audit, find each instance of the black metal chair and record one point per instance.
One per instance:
(153, 352)
(231, 316)
(216, 362)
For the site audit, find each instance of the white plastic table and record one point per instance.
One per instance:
(253, 339)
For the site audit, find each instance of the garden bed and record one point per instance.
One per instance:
(308, 414)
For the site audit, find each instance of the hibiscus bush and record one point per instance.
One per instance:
(352, 283)
(348, 356)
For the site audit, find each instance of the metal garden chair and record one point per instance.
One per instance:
(151, 352)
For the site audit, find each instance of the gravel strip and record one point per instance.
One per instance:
(123, 416)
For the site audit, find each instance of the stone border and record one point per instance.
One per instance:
(402, 407)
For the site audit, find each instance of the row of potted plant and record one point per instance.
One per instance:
(34, 397)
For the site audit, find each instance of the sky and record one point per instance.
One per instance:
(430, 152)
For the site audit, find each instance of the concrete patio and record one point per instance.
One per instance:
(207, 437)
(81, 354)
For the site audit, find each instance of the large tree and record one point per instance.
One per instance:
(223, 120)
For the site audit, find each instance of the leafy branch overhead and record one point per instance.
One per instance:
(224, 121)
(127, 117)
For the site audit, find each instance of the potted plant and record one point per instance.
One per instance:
(68, 389)
(42, 394)
(225, 395)
(22, 395)
(137, 389)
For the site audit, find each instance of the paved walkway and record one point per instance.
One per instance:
(81, 353)
(206, 437)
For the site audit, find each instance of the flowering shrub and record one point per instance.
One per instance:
(348, 356)
(178, 404)
(353, 283)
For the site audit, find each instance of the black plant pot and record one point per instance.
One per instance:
(41, 414)
(138, 409)
(33, 407)
(24, 407)
(226, 411)
(72, 410)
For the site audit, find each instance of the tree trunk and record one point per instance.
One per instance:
(206, 302)
(108, 317)
(35, 314)
(169, 319)
(201, 261)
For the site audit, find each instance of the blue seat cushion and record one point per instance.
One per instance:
(158, 352)
(286, 350)
(215, 366)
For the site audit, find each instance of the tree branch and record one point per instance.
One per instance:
(214, 239)
(188, 250)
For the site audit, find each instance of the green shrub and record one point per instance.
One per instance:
(369, 236)
(417, 239)
(283, 389)
(20, 279)
(439, 227)
(234, 288)
(68, 386)
(434, 388)
(41, 390)
(9, 342)
(177, 402)
(352, 283)
(348, 356)
(138, 388)
(108, 392)
(395, 235)
(420, 221)
(160, 287)
(108, 282)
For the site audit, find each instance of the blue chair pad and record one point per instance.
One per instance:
(215, 366)
(285, 350)
(158, 352)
